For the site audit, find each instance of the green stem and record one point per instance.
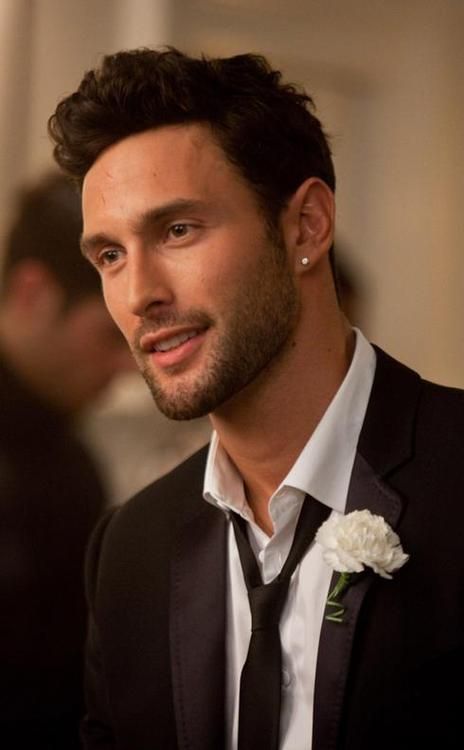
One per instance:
(342, 584)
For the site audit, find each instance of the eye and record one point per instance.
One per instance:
(179, 230)
(108, 257)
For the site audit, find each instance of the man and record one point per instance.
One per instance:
(58, 349)
(208, 204)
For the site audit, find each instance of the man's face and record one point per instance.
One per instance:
(190, 273)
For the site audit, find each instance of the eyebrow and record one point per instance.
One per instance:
(148, 220)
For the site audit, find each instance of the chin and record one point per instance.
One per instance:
(180, 411)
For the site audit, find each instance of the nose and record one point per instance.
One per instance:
(147, 285)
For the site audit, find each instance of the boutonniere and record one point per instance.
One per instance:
(355, 541)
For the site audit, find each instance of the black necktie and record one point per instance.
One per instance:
(260, 682)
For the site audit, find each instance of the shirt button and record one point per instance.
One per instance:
(286, 678)
(261, 556)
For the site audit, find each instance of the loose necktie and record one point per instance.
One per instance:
(260, 682)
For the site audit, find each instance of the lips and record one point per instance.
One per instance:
(166, 338)
(172, 347)
(171, 343)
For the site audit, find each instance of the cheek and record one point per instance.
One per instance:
(223, 271)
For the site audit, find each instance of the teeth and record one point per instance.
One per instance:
(167, 344)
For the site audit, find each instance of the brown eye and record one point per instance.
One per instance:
(107, 257)
(178, 230)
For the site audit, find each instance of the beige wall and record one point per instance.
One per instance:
(387, 79)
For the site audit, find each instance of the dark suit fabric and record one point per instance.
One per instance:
(50, 500)
(388, 677)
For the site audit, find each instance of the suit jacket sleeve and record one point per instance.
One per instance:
(96, 728)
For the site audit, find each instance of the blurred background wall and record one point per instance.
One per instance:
(387, 79)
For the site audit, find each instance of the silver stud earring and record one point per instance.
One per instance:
(304, 261)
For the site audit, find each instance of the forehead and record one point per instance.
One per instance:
(157, 166)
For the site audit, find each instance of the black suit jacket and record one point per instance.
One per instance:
(388, 677)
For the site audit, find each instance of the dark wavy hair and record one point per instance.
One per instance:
(266, 128)
(46, 227)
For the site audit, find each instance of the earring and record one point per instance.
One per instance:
(304, 261)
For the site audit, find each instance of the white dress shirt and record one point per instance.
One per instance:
(323, 470)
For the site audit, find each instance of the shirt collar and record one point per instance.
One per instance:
(323, 468)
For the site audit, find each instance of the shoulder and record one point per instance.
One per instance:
(169, 499)
(171, 495)
(409, 417)
(143, 527)
(425, 417)
(440, 424)
(399, 379)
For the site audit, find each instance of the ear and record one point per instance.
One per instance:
(33, 291)
(308, 224)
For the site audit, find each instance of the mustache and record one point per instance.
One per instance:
(157, 321)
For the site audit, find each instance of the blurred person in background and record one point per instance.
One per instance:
(58, 350)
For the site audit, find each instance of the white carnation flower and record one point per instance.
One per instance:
(360, 539)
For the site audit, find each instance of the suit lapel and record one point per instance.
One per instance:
(336, 640)
(386, 441)
(197, 614)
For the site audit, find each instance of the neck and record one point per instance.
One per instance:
(264, 428)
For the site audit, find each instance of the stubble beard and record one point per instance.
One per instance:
(260, 319)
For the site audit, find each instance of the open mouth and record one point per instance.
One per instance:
(174, 341)
(174, 349)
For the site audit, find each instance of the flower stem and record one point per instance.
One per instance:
(342, 584)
